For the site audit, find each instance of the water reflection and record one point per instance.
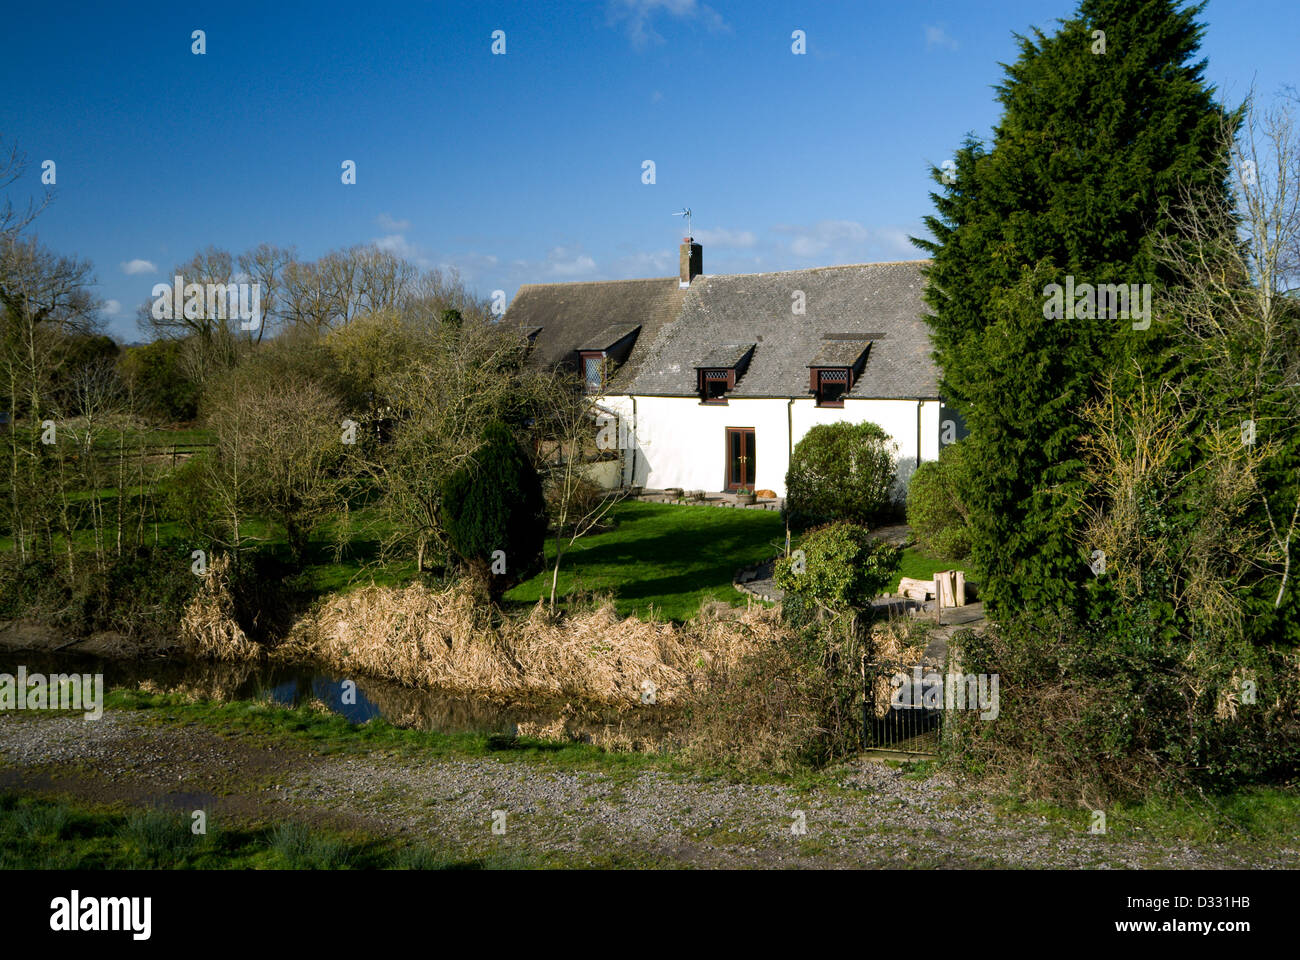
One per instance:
(360, 699)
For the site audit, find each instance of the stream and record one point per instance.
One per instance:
(414, 708)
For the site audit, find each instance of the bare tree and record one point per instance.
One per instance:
(453, 381)
(44, 298)
(267, 265)
(280, 450)
(571, 427)
(1238, 310)
(13, 163)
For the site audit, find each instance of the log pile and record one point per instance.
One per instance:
(947, 587)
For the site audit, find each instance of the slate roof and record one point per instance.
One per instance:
(726, 355)
(839, 352)
(683, 329)
(572, 316)
(877, 302)
(605, 339)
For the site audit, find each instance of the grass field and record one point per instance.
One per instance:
(671, 557)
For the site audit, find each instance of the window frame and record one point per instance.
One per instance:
(815, 384)
(706, 375)
(602, 358)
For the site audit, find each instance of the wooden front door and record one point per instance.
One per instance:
(740, 458)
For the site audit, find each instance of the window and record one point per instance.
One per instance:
(832, 384)
(593, 371)
(714, 385)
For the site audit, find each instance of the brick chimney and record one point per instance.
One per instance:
(691, 260)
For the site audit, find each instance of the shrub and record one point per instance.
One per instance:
(839, 567)
(495, 502)
(788, 703)
(189, 499)
(141, 594)
(840, 471)
(936, 503)
(154, 374)
(1088, 716)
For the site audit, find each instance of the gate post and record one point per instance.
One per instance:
(866, 707)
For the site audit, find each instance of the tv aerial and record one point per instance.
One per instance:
(686, 212)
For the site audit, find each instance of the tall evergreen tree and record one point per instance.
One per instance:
(1098, 134)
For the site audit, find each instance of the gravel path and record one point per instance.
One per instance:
(874, 817)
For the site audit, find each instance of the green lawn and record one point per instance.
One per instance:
(922, 565)
(672, 557)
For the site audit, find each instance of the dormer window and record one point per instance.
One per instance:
(714, 385)
(831, 385)
(594, 368)
(836, 368)
(603, 353)
(717, 373)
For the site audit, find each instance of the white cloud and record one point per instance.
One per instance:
(639, 14)
(567, 262)
(468, 266)
(937, 36)
(726, 239)
(398, 245)
(647, 263)
(816, 239)
(133, 267)
(112, 308)
(847, 241)
(389, 225)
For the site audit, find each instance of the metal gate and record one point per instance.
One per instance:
(895, 719)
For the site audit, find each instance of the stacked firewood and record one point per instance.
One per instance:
(948, 587)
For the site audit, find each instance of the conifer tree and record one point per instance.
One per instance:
(1103, 123)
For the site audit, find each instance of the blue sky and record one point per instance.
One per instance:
(525, 167)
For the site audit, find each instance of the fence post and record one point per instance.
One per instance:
(867, 706)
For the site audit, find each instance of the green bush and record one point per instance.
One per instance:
(936, 503)
(1085, 715)
(840, 471)
(155, 376)
(839, 566)
(142, 593)
(188, 498)
(495, 502)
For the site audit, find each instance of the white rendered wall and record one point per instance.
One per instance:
(680, 442)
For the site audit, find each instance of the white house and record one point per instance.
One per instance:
(714, 379)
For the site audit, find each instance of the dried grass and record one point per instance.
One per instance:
(208, 627)
(448, 639)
